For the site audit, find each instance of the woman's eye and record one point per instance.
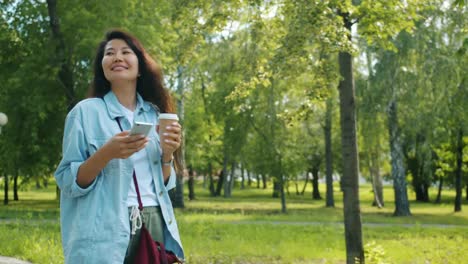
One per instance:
(109, 53)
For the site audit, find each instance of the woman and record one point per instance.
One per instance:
(99, 218)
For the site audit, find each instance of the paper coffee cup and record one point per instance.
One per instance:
(166, 119)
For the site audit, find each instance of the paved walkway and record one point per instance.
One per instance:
(7, 260)
(308, 223)
(264, 222)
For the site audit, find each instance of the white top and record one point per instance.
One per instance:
(143, 175)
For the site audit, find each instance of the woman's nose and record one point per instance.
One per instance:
(117, 57)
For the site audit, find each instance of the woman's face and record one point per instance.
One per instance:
(119, 63)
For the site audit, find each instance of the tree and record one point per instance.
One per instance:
(349, 183)
(377, 22)
(34, 117)
(188, 22)
(371, 126)
(330, 201)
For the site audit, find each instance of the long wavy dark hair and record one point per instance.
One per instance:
(150, 83)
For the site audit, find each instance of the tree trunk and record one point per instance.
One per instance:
(204, 180)
(178, 201)
(466, 191)
(65, 74)
(439, 190)
(191, 183)
(458, 171)
(376, 180)
(418, 182)
(227, 177)
(249, 178)
(15, 186)
(315, 184)
(211, 186)
(305, 184)
(278, 181)
(273, 147)
(258, 180)
(210, 136)
(232, 178)
(220, 184)
(425, 187)
(398, 170)
(330, 202)
(276, 188)
(264, 181)
(57, 193)
(5, 190)
(281, 180)
(243, 177)
(419, 190)
(374, 153)
(210, 179)
(350, 181)
(179, 190)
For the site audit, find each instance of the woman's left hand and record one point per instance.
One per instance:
(170, 139)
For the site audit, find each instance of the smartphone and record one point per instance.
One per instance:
(141, 128)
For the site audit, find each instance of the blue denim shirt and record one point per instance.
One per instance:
(94, 220)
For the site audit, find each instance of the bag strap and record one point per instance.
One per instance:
(140, 204)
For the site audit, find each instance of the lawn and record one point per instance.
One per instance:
(249, 228)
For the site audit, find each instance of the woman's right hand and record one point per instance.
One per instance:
(122, 145)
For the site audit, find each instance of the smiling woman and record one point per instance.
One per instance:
(99, 200)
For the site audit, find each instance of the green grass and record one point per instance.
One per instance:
(39, 243)
(249, 228)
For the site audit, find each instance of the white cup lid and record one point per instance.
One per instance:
(168, 116)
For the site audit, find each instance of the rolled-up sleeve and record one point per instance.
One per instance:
(171, 183)
(74, 153)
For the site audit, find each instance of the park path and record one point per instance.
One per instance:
(264, 222)
(312, 223)
(8, 260)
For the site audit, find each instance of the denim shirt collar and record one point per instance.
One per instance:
(114, 108)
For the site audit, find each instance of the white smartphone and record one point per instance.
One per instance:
(141, 128)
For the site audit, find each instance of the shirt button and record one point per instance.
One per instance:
(161, 193)
(170, 221)
(156, 162)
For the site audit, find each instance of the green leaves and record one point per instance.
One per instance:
(244, 89)
(263, 68)
(381, 21)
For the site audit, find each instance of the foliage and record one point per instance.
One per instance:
(255, 76)
(26, 85)
(374, 253)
